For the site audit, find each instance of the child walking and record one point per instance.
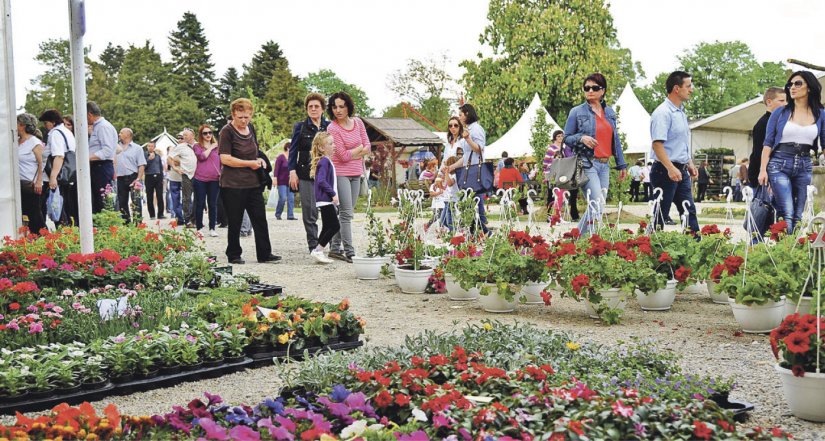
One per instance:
(326, 192)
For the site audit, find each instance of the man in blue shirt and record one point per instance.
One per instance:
(673, 160)
(102, 146)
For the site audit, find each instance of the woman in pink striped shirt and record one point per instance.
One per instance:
(351, 146)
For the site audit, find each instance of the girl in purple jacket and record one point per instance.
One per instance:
(326, 192)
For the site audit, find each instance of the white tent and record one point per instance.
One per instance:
(634, 122)
(516, 142)
(164, 142)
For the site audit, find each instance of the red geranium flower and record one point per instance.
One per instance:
(457, 240)
(383, 399)
(682, 274)
(14, 306)
(579, 282)
(665, 257)
(710, 229)
(701, 430)
(798, 370)
(778, 229)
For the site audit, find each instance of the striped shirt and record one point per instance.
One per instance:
(549, 156)
(346, 140)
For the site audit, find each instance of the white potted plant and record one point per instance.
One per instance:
(411, 274)
(369, 267)
(795, 344)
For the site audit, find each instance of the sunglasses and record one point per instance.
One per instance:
(797, 83)
(453, 125)
(180, 137)
(206, 132)
(592, 88)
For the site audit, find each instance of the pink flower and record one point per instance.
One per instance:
(622, 410)
(36, 328)
(243, 433)
(213, 430)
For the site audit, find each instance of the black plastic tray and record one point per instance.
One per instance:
(739, 408)
(265, 290)
(265, 358)
(27, 405)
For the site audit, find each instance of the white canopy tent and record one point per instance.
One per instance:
(516, 142)
(634, 122)
(731, 128)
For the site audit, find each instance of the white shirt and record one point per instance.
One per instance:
(452, 149)
(437, 201)
(57, 145)
(26, 159)
(646, 172)
(793, 132)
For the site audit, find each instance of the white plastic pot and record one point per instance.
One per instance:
(456, 292)
(759, 319)
(715, 295)
(493, 302)
(805, 395)
(613, 297)
(412, 281)
(531, 292)
(661, 300)
(368, 268)
(804, 306)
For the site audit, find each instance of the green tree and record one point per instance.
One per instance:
(259, 72)
(192, 65)
(326, 83)
(147, 98)
(101, 84)
(422, 80)
(545, 47)
(725, 74)
(435, 109)
(540, 136)
(111, 59)
(283, 103)
(53, 88)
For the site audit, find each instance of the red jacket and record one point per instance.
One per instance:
(507, 176)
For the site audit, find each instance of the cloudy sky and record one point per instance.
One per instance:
(364, 41)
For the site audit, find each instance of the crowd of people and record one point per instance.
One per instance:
(225, 173)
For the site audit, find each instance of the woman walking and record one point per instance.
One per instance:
(351, 146)
(30, 163)
(454, 139)
(326, 192)
(241, 184)
(790, 137)
(591, 131)
(475, 140)
(282, 181)
(207, 176)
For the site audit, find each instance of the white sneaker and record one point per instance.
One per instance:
(213, 233)
(319, 256)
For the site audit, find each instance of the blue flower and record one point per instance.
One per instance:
(339, 393)
(277, 406)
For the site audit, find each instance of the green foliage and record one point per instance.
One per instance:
(144, 83)
(111, 59)
(192, 65)
(422, 80)
(283, 102)
(534, 52)
(435, 109)
(229, 87)
(326, 82)
(725, 74)
(258, 73)
(540, 136)
(53, 88)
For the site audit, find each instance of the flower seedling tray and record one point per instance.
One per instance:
(25, 405)
(265, 290)
(226, 269)
(265, 358)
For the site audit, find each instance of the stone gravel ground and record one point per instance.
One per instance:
(704, 334)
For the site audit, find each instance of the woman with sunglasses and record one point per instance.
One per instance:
(454, 139)
(205, 183)
(791, 135)
(591, 132)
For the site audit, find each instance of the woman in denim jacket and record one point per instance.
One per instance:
(591, 131)
(792, 132)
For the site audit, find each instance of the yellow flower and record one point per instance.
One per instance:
(275, 316)
(325, 437)
(263, 328)
(283, 338)
(487, 327)
(573, 346)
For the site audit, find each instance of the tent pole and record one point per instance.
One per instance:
(77, 19)
(10, 211)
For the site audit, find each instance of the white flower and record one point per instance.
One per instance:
(168, 288)
(67, 292)
(419, 414)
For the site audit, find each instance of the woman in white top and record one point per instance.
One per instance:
(30, 163)
(454, 139)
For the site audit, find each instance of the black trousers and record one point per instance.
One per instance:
(102, 173)
(701, 190)
(329, 216)
(154, 188)
(251, 200)
(123, 192)
(634, 190)
(574, 208)
(30, 204)
(186, 198)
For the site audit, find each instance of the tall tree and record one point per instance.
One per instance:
(422, 80)
(192, 65)
(53, 88)
(725, 74)
(229, 85)
(546, 47)
(284, 99)
(259, 72)
(147, 98)
(112, 58)
(326, 83)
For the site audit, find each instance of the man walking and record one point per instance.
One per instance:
(102, 148)
(702, 182)
(774, 98)
(635, 180)
(673, 162)
(130, 166)
(300, 160)
(154, 181)
(183, 161)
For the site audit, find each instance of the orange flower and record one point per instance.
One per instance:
(249, 312)
(344, 305)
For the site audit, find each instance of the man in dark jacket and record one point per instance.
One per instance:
(300, 160)
(774, 98)
(702, 182)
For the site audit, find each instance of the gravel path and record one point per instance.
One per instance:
(704, 334)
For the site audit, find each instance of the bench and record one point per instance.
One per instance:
(419, 185)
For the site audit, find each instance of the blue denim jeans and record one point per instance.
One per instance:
(673, 192)
(284, 196)
(446, 219)
(174, 197)
(789, 176)
(595, 190)
(206, 195)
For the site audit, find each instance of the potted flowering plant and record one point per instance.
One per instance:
(709, 252)
(537, 271)
(369, 267)
(411, 274)
(498, 272)
(236, 341)
(799, 346)
(460, 248)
